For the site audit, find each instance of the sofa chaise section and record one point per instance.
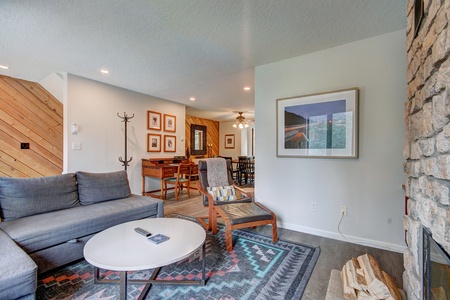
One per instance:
(18, 271)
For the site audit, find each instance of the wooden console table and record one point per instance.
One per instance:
(161, 168)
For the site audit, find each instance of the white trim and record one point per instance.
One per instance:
(350, 239)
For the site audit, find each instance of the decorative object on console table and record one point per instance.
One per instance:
(229, 141)
(153, 142)
(153, 120)
(170, 123)
(318, 125)
(210, 150)
(125, 162)
(170, 143)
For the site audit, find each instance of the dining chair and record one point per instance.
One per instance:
(250, 170)
(242, 169)
(181, 179)
(235, 206)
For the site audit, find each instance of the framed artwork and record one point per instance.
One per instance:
(153, 120)
(170, 124)
(198, 139)
(153, 142)
(170, 143)
(229, 141)
(323, 125)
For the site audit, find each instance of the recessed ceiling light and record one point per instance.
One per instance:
(247, 88)
(192, 98)
(104, 71)
(4, 67)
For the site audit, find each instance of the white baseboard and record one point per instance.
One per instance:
(350, 239)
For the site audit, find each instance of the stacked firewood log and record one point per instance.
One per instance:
(362, 278)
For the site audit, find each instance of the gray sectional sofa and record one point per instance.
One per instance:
(46, 221)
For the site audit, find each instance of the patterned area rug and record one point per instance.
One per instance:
(257, 268)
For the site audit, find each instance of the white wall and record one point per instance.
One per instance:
(94, 106)
(227, 128)
(369, 186)
(55, 84)
(243, 140)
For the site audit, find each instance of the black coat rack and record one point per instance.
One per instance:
(125, 118)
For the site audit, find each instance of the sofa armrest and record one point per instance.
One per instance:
(18, 276)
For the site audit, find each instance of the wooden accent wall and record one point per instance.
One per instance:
(212, 133)
(29, 114)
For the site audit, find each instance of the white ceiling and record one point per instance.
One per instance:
(177, 49)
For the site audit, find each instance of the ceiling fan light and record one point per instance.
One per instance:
(246, 125)
(234, 125)
(241, 126)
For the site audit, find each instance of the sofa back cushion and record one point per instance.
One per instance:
(99, 187)
(20, 197)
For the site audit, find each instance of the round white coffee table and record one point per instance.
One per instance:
(120, 248)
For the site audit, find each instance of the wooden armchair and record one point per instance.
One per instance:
(242, 212)
(181, 179)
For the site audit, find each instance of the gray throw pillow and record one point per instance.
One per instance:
(99, 187)
(20, 197)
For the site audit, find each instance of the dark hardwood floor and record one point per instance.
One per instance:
(334, 253)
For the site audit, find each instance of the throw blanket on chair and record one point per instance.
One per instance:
(217, 174)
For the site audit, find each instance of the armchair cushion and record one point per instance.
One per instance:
(245, 212)
(222, 193)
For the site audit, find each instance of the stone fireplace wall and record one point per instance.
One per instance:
(427, 146)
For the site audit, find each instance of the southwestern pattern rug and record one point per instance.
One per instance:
(257, 268)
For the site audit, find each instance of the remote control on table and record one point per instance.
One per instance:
(142, 232)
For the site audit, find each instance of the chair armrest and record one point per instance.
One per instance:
(205, 193)
(248, 194)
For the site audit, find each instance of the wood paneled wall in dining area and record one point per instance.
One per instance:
(212, 133)
(29, 114)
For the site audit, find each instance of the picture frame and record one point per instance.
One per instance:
(170, 123)
(153, 142)
(170, 143)
(322, 125)
(229, 141)
(153, 120)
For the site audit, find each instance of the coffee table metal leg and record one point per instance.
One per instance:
(123, 280)
(123, 285)
(204, 263)
(149, 284)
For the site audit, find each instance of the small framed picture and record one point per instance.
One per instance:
(229, 141)
(170, 124)
(170, 143)
(153, 120)
(153, 142)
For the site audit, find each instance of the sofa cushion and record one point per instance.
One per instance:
(38, 232)
(20, 197)
(99, 187)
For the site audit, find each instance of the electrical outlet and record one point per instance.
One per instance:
(24, 145)
(313, 206)
(343, 210)
(76, 146)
